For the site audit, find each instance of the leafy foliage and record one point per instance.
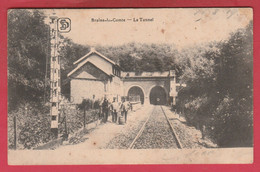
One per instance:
(33, 126)
(220, 89)
(73, 115)
(142, 57)
(27, 51)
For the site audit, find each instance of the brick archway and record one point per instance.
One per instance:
(136, 91)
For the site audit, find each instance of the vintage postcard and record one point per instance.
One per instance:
(130, 86)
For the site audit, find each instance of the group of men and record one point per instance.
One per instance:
(116, 109)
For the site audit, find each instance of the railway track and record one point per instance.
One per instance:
(156, 133)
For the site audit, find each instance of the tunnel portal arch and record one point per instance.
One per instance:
(136, 93)
(158, 96)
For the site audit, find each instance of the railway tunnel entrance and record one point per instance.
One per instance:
(158, 96)
(136, 94)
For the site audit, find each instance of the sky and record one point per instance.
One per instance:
(180, 26)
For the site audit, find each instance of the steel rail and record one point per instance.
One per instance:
(139, 133)
(178, 143)
(173, 131)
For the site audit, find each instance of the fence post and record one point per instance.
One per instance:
(15, 132)
(84, 117)
(66, 127)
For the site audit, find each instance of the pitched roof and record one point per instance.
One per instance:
(92, 50)
(82, 64)
(83, 60)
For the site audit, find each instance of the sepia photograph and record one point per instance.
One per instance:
(130, 86)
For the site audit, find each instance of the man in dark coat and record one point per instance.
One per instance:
(105, 110)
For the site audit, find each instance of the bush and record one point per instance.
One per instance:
(33, 123)
(75, 115)
(233, 125)
(96, 104)
(33, 126)
(88, 104)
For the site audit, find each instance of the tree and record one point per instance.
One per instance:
(235, 83)
(142, 57)
(27, 52)
(220, 88)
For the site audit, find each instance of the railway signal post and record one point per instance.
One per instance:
(57, 25)
(54, 76)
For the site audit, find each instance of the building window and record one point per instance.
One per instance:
(116, 71)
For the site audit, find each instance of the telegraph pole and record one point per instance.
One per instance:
(61, 25)
(55, 90)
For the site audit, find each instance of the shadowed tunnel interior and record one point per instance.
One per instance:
(158, 96)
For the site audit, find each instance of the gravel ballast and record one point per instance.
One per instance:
(157, 133)
(189, 136)
(129, 131)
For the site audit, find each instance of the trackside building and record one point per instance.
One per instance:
(96, 76)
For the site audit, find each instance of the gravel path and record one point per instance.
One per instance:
(157, 133)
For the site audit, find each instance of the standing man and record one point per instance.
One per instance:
(124, 108)
(115, 109)
(105, 109)
(100, 109)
